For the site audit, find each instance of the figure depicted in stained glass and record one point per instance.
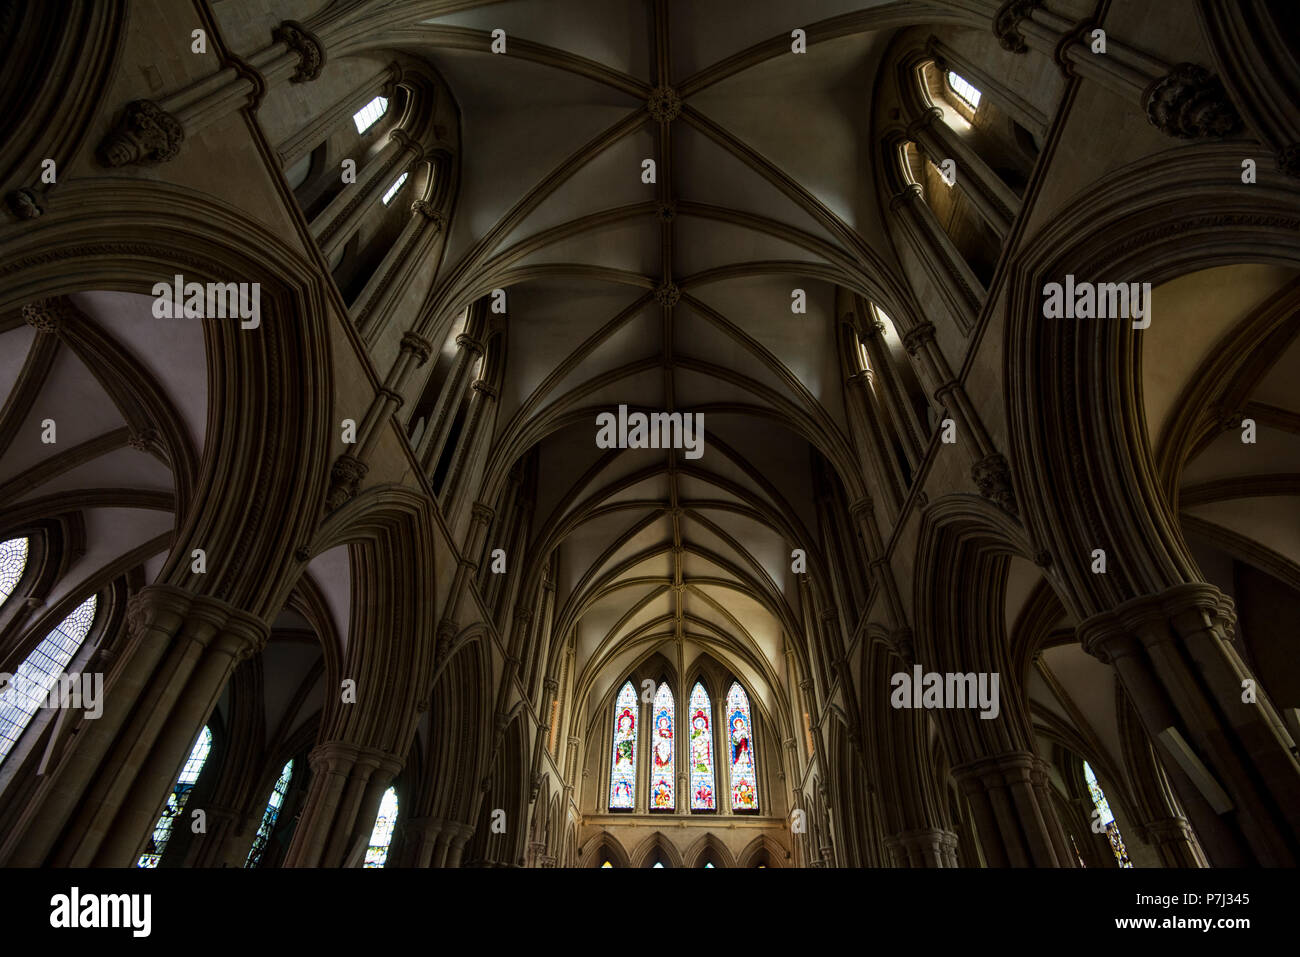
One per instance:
(661, 771)
(701, 746)
(622, 777)
(744, 786)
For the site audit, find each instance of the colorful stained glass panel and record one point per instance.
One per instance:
(661, 751)
(700, 712)
(740, 733)
(622, 775)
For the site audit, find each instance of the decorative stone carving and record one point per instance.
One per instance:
(664, 104)
(311, 53)
(667, 294)
(143, 440)
(666, 212)
(1191, 103)
(345, 481)
(917, 337)
(24, 204)
(419, 345)
(992, 475)
(1006, 24)
(146, 134)
(437, 221)
(447, 631)
(48, 315)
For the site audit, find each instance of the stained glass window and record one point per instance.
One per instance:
(1107, 819)
(701, 745)
(740, 732)
(36, 682)
(661, 751)
(369, 114)
(382, 835)
(268, 818)
(13, 559)
(622, 775)
(964, 89)
(162, 831)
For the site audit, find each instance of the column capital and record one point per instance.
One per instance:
(918, 337)
(310, 51)
(421, 347)
(436, 220)
(469, 344)
(1006, 24)
(1179, 610)
(481, 513)
(343, 756)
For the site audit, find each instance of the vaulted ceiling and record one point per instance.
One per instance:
(674, 295)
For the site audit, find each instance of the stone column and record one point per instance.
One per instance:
(952, 276)
(1013, 824)
(97, 805)
(469, 348)
(1184, 101)
(1232, 762)
(404, 259)
(350, 468)
(423, 835)
(924, 847)
(878, 448)
(347, 784)
(1175, 842)
(482, 400)
(458, 837)
(339, 220)
(995, 202)
(150, 132)
(892, 391)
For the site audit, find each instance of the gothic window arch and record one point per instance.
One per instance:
(370, 114)
(382, 834)
(176, 801)
(13, 562)
(742, 756)
(700, 749)
(270, 815)
(622, 775)
(662, 750)
(720, 767)
(1102, 814)
(39, 673)
(963, 89)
